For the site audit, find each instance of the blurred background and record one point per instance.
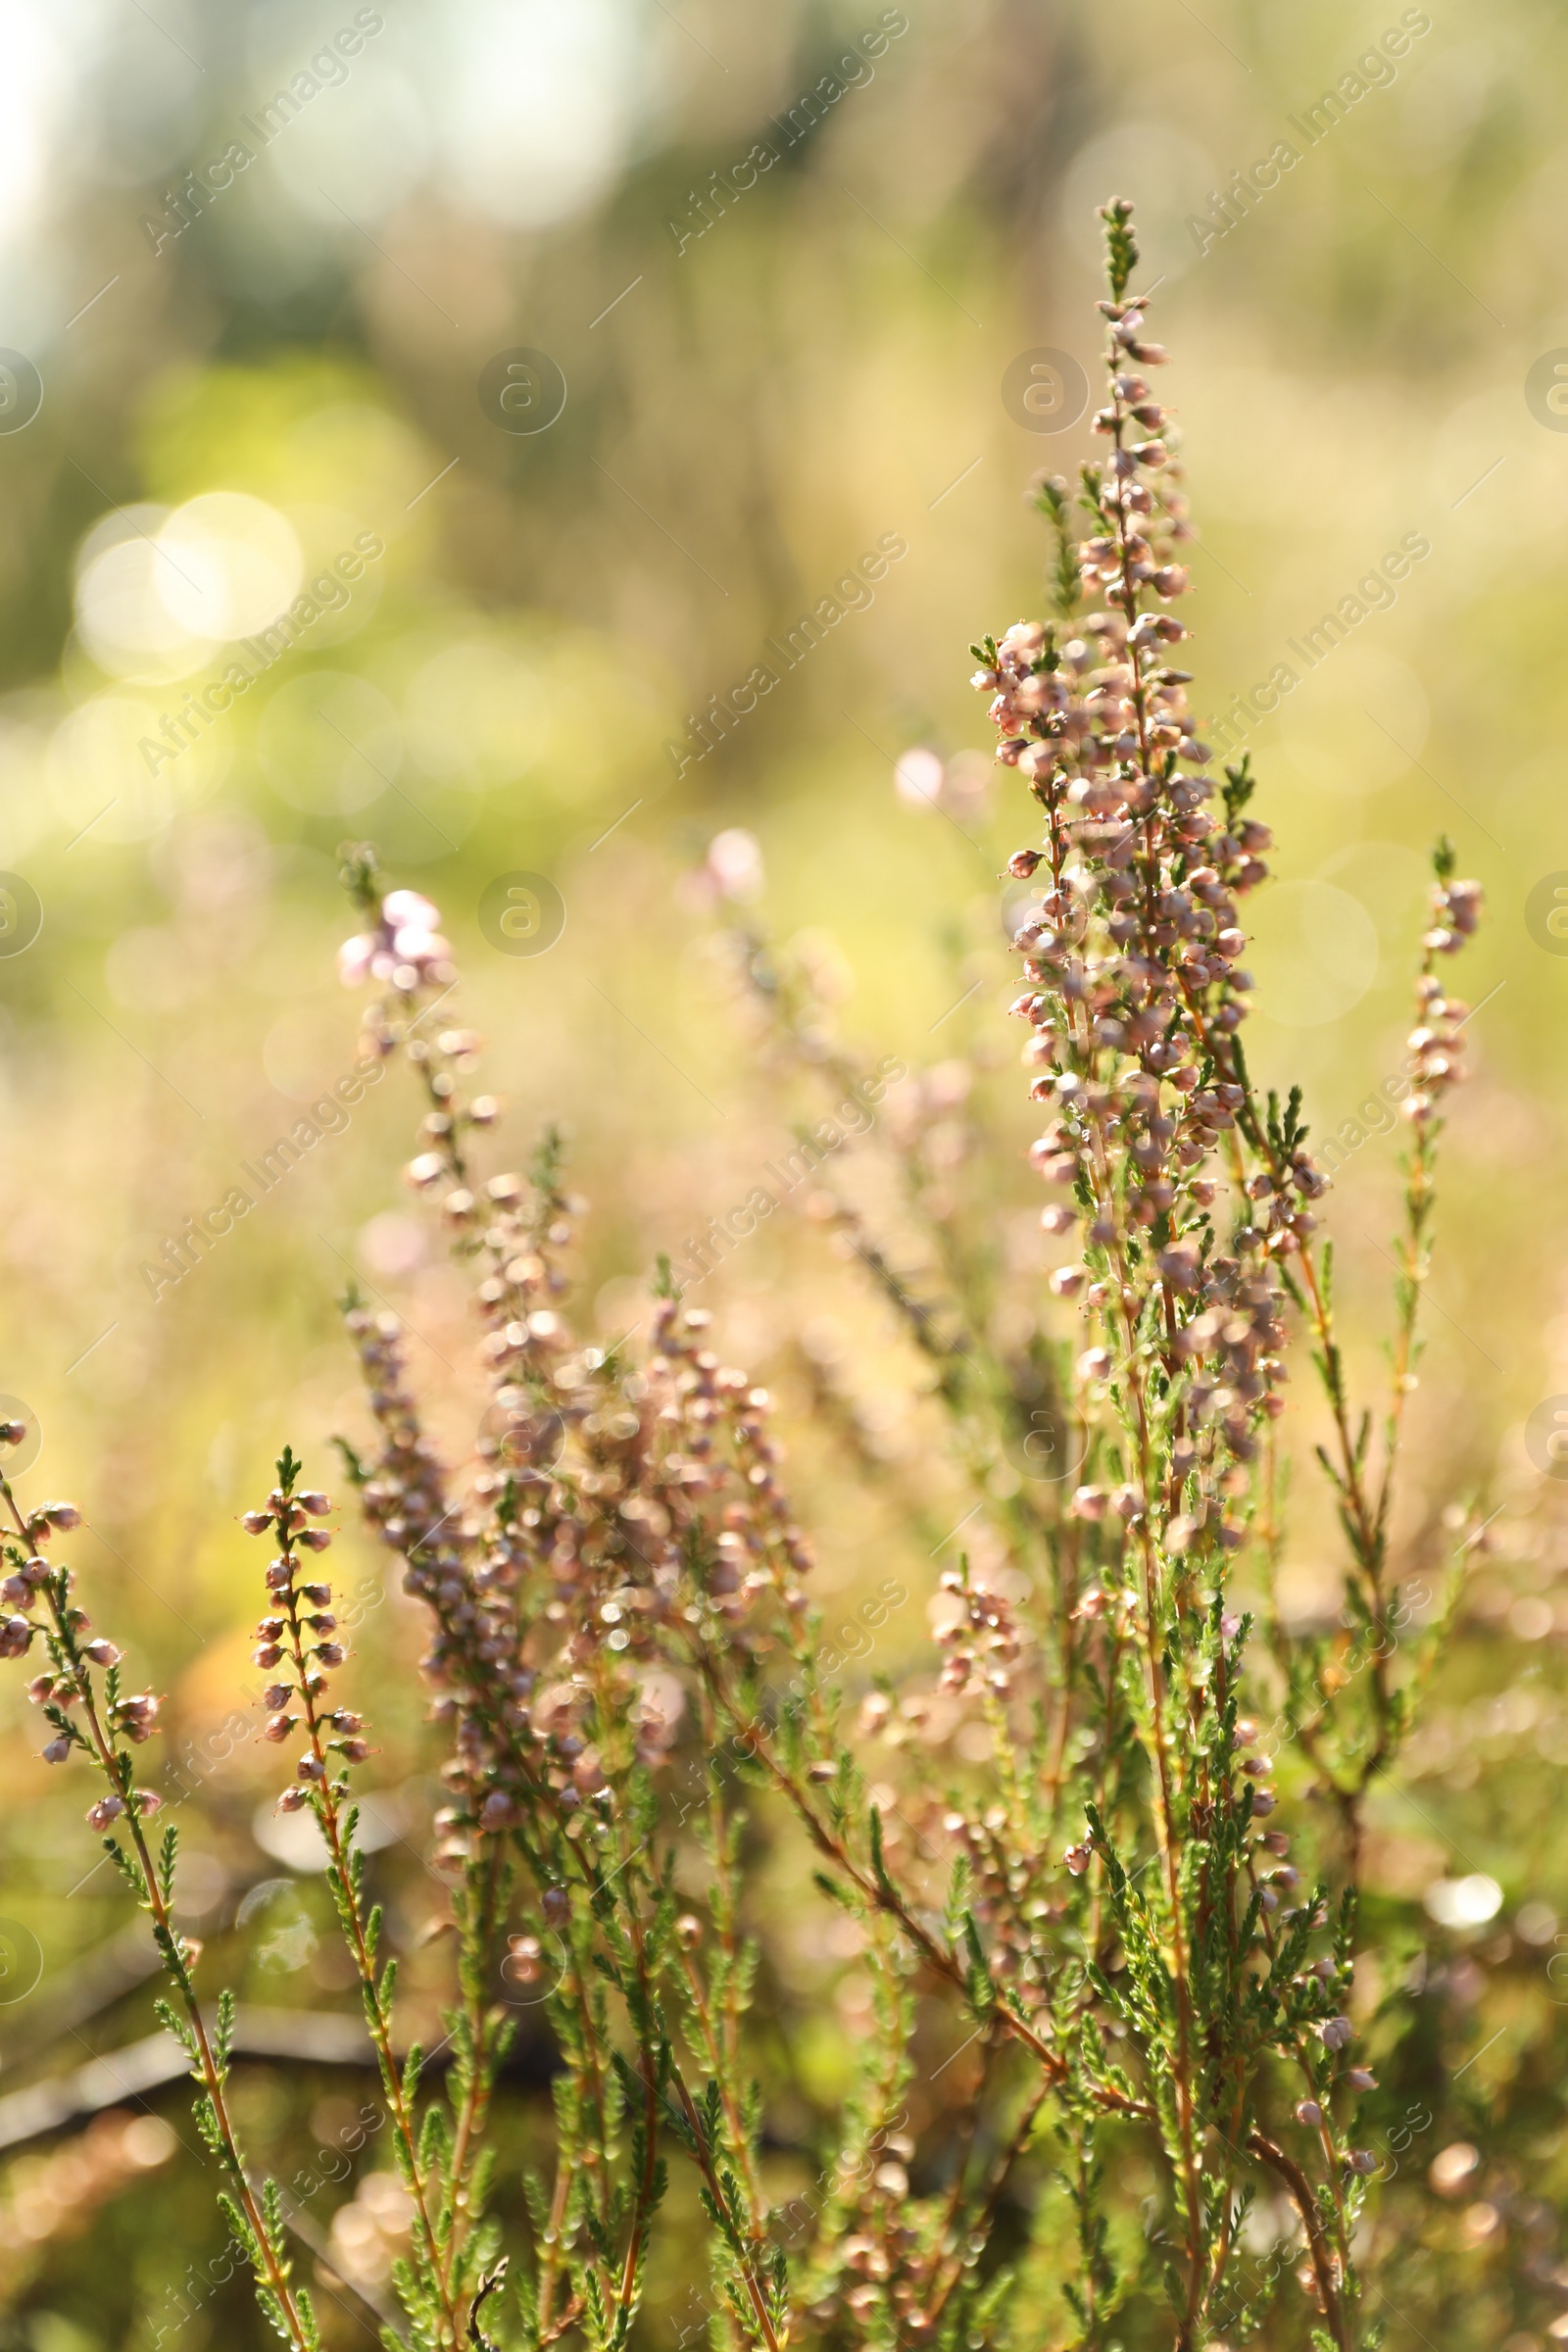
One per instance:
(559, 373)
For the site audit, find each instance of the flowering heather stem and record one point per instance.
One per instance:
(334, 1743)
(1135, 1007)
(1064, 1866)
(152, 1884)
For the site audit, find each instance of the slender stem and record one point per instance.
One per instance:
(721, 2062)
(1296, 2180)
(990, 2198)
(550, 2260)
(474, 2104)
(324, 1794)
(754, 2291)
(643, 2207)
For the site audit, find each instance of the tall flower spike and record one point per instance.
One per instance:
(93, 1720)
(299, 1627)
(1136, 996)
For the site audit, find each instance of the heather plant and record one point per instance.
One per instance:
(1104, 1857)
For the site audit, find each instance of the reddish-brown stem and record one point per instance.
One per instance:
(1302, 2197)
(753, 2290)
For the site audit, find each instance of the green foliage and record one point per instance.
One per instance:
(1121, 246)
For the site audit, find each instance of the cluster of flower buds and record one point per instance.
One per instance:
(135, 1718)
(298, 1636)
(404, 950)
(474, 1659)
(607, 1504)
(601, 1491)
(1436, 1042)
(1132, 956)
(977, 1632)
(36, 1582)
(1456, 916)
(21, 1587)
(720, 1475)
(114, 1807)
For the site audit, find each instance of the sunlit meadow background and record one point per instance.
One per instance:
(748, 411)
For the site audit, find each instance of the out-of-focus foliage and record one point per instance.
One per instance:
(762, 380)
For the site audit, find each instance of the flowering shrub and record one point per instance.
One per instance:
(1091, 1893)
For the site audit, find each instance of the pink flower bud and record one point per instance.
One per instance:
(106, 1810)
(353, 959)
(63, 1515)
(410, 908)
(1307, 2111)
(290, 1801)
(103, 1653)
(137, 1716)
(58, 1750)
(16, 1633)
(316, 1503)
(256, 1522)
(313, 1538)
